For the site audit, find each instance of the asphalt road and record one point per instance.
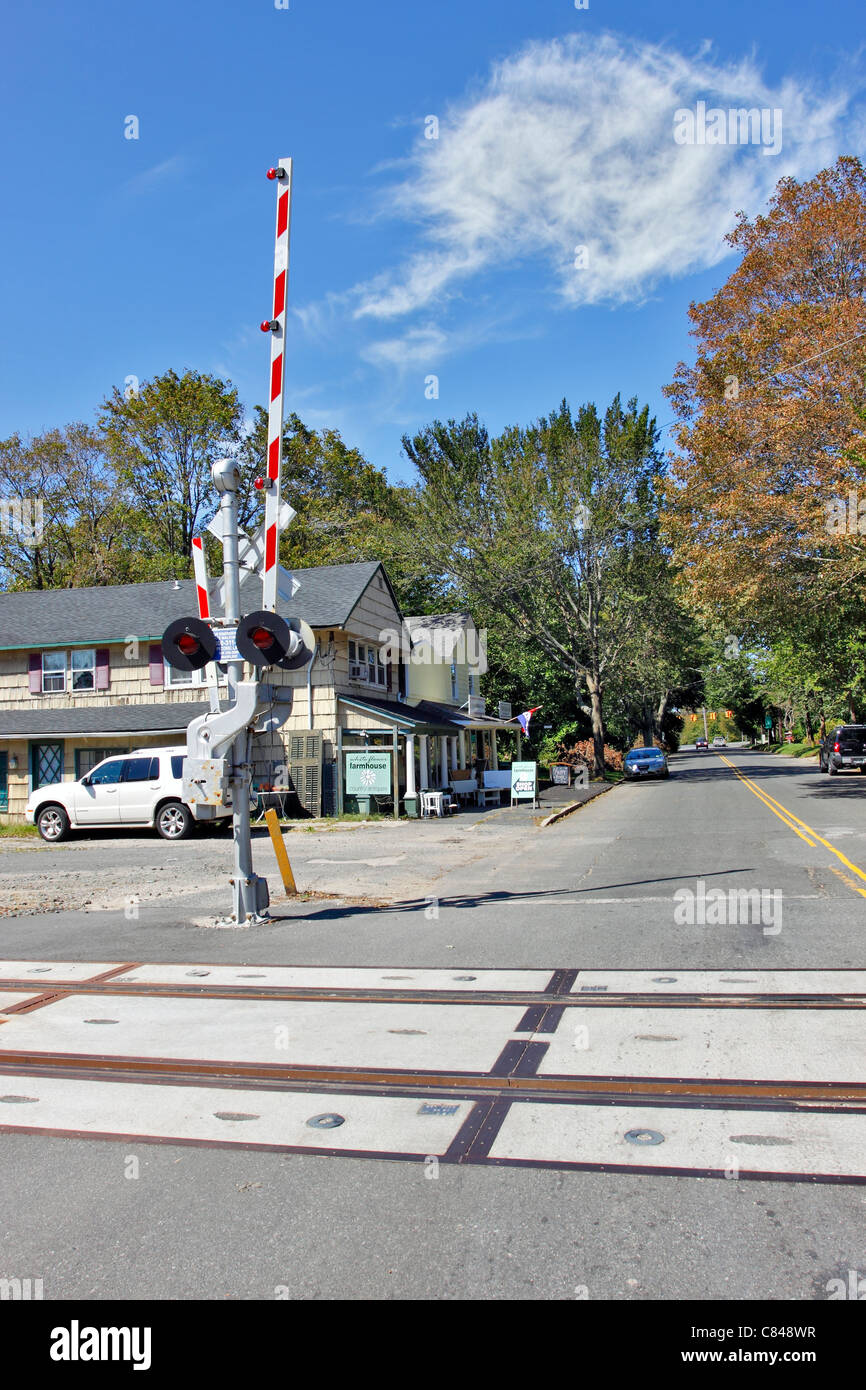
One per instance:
(594, 891)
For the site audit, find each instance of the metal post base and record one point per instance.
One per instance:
(250, 900)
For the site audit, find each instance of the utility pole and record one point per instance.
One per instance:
(706, 731)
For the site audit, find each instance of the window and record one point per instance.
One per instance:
(367, 658)
(87, 758)
(106, 773)
(454, 680)
(84, 670)
(53, 672)
(173, 678)
(473, 683)
(141, 770)
(177, 766)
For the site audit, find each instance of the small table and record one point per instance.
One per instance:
(278, 803)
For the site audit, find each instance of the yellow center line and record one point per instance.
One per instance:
(793, 822)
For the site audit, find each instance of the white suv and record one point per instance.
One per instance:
(144, 787)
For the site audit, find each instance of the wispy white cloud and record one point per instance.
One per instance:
(157, 175)
(570, 144)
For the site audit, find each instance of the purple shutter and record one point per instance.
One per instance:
(156, 668)
(103, 677)
(35, 673)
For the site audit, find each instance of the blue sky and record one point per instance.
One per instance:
(453, 257)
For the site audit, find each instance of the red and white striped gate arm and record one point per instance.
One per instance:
(200, 571)
(283, 176)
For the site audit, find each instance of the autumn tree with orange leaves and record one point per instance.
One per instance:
(766, 498)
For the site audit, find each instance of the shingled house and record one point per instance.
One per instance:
(82, 677)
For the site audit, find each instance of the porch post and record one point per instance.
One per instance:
(425, 772)
(461, 749)
(494, 755)
(410, 765)
(443, 758)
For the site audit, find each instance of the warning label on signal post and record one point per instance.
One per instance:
(227, 645)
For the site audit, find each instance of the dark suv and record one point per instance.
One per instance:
(844, 747)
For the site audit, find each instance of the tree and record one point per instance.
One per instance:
(552, 525)
(772, 426)
(65, 521)
(163, 442)
(346, 508)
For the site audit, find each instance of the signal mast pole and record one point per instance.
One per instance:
(218, 767)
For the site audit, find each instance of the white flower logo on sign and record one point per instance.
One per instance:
(368, 778)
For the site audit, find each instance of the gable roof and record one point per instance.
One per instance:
(327, 596)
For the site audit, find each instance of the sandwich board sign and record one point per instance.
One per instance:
(523, 781)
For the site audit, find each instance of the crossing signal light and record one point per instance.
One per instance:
(266, 639)
(188, 644)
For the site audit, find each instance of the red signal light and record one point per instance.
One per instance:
(265, 325)
(188, 644)
(259, 484)
(261, 638)
(272, 173)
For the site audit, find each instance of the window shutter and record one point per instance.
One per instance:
(103, 673)
(305, 770)
(157, 672)
(35, 673)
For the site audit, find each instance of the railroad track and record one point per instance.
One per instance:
(746, 1074)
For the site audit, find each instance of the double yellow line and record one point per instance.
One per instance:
(798, 826)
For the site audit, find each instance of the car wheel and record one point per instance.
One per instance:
(173, 821)
(52, 824)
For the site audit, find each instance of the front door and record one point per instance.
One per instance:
(46, 764)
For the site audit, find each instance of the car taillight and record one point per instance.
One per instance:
(837, 747)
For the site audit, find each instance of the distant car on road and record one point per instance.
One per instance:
(645, 762)
(144, 788)
(702, 743)
(720, 741)
(844, 747)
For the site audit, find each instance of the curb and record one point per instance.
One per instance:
(576, 805)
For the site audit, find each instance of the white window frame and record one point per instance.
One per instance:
(55, 690)
(198, 679)
(367, 657)
(455, 686)
(82, 651)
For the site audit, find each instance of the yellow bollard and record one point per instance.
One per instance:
(283, 864)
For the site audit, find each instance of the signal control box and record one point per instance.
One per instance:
(206, 784)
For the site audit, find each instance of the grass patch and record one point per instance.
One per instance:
(611, 776)
(794, 750)
(18, 831)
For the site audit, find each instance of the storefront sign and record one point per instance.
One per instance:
(560, 774)
(368, 774)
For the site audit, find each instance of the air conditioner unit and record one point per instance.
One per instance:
(357, 671)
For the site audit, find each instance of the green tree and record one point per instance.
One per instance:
(551, 525)
(163, 442)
